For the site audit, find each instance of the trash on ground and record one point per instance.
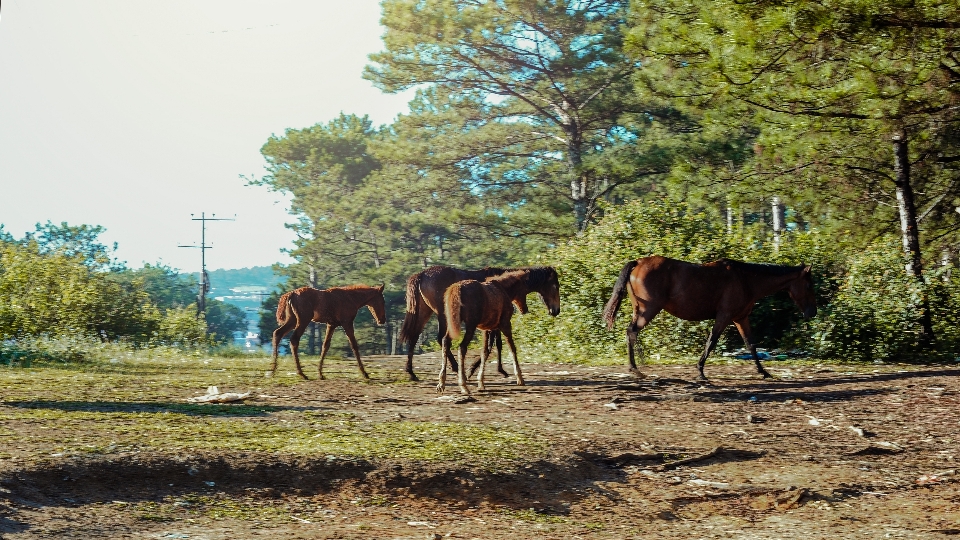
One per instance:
(213, 395)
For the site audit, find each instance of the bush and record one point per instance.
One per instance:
(875, 314)
(57, 294)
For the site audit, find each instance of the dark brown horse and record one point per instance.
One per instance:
(488, 306)
(425, 297)
(336, 306)
(724, 290)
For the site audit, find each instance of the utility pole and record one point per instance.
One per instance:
(203, 247)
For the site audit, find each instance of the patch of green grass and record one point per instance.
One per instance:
(284, 431)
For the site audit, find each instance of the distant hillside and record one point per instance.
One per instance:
(261, 277)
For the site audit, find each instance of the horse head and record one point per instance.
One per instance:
(802, 293)
(549, 290)
(377, 305)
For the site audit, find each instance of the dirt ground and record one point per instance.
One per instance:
(822, 451)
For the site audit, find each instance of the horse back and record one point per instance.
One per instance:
(692, 292)
(436, 280)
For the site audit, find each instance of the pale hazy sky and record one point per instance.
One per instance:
(133, 114)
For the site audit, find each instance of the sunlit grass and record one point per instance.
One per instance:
(137, 403)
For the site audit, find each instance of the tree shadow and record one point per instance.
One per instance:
(191, 409)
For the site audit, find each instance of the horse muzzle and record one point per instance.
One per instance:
(810, 313)
(554, 311)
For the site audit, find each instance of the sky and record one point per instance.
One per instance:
(134, 115)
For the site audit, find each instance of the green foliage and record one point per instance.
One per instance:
(73, 241)
(180, 327)
(165, 286)
(875, 313)
(223, 320)
(58, 294)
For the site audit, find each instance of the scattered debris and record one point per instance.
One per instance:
(456, 399)
(755, 419)
(859, 431)
(716, 452)
(611, 406)
(935, 478)
(704, 483)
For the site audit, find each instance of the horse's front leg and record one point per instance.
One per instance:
(743, 326)
(295, 345)
(348, 329)
(508, 333)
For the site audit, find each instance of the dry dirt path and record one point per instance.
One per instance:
(823, 451)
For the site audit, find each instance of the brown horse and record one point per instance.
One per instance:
(724, 290)
(488, 306)
(336, 306)
(425, 297)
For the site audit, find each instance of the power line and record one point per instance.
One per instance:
(203, 247)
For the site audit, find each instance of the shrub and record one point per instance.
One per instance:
(875, 314)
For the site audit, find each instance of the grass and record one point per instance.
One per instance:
(136, 403)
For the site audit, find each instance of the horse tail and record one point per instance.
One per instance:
(409, 331)
(452, 305)
(283, 305)
(619, 288)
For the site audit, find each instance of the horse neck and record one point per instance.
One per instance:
(515, 286)
(765, 285)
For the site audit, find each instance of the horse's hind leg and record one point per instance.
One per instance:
(464, 346)
(743, 325)
(422, 316)
(326, 347)
(718, 327)
(642, 315)
(499, 340)
(484, 355)
(348, 328)
(278, 334)
(445, 342)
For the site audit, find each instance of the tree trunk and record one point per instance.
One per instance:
(909, 232)
(578, 180)
(313, 336)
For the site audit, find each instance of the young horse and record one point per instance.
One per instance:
(336, 306)
(488, 306)
(724, 290)
(425, 297)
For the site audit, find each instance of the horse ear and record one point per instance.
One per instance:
(380, 288)
(806, 270)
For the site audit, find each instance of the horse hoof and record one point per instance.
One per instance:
(440, 389)
(766, 375)
(321, 377)
(304, 377)
(636, 373)
(521, 383)
(413, 378)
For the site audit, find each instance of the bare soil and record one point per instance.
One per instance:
(822, 451)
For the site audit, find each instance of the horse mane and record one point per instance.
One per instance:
(533, 276)
(354, 287)
(764, 269)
